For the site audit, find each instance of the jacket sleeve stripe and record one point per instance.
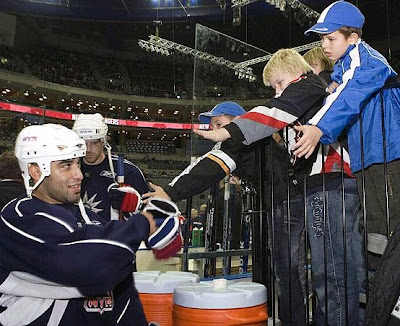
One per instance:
(26, 235)
(57, 220)
(347, 76)
(123, 312)
(224, 161)
(17, 205)
(265, 120)
(99, 241)
(220, 163)
(273, 117)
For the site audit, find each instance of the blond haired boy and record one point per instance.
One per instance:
(299, 95)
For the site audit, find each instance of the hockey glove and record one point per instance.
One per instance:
(167, 240)
(125, 199)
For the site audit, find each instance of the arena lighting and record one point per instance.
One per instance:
(150, 47)
(264, 58)
(221, 4)
(241, 3)
(280, 4)
(242, 72)
(310, 13)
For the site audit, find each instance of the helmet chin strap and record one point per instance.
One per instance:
(110, 163)
(30, 189)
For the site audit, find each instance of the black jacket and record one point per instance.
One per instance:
(9, 190)
(385, 286)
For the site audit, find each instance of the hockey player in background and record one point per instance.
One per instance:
(99, 170)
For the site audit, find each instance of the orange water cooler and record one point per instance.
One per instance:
(220, 303)
(156, 291)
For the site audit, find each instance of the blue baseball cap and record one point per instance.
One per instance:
(336, 15)
(230, 108)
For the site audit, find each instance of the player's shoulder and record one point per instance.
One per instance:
(25, 210)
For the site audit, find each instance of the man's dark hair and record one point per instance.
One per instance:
(9, 167)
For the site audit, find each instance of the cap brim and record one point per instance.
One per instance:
(205, 117)
(323, 28)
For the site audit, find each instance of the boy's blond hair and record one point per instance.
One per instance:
(285, 61)
(318, 55)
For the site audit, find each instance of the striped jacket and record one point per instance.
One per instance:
(361, 73)
(57, 270)
(297, 103)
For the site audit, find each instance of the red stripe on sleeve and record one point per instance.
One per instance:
(264, 119)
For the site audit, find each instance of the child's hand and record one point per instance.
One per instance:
(308, 141)
(215, 135)
(158, 192)
(332, 86)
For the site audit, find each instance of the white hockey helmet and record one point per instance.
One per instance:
(91, 126)
(43, 144)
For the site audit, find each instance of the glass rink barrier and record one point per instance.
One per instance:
(313, 231)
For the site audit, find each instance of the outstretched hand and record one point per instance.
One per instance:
(308, 141)
(158, 192)
(216, 135)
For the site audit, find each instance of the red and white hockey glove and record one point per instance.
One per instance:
(167, 240)
(125, 199)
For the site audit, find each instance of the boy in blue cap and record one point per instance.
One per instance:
(363, 76)
(221, 114)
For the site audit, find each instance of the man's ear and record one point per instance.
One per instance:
(34, 172)
(353, 38)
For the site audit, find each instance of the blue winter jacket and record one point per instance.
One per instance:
(361, 73)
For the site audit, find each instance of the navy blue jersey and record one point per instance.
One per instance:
(98, 179)
(54, 266)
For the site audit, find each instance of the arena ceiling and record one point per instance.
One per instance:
(137, 10)
(261, 24)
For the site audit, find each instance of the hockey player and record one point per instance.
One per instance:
(62, 265)
(99, 170)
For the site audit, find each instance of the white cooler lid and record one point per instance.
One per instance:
(219, 294)
(159, 282)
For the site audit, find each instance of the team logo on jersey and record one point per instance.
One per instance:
(107, 174)
(91, 202)
(99, 304)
